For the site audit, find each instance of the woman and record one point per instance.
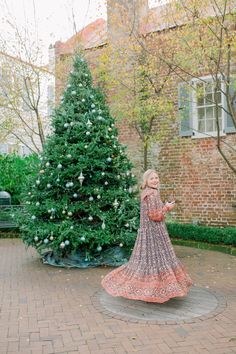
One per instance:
(153, 273)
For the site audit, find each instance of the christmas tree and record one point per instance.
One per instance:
(82, 201)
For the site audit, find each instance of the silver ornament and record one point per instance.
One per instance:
(81, 178)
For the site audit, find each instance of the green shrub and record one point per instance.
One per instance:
(14, 172)
(215, 235)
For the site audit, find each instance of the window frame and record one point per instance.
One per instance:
(195, 121)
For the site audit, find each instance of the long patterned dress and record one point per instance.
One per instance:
(153, 273)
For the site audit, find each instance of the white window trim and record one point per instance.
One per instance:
(197, 134)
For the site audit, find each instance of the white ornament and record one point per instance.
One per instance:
(90, 199)
(90, 218)
(69, 156)
(81, 178)
(51, 238)
(80, 85)
(46, 240)
(73, 92)
(92, 105)
(121, 244)
(99, 248)
(89, 123)
(47, 164)
(91, 96)
(58, 180)
(106, 183)
(62, 245)
(29, 193)
(100, 118)
(85, 146)
(93, 110)
(36, 238)
(83, 100)
(127, 225)
(130, 189)
(37, 182)
(51, 217)
(41, 171)
(49, 211)
(59, 166)
(118, 176)
(49, 185)
(103, 173)
(75, 195)
(71, 124)
(103, 225)
(67, 242)
(72, 227)
(87, 133)
(116, 204)
(82, 238)
(109, 129)
(63, 211)
(37, 204)
(112, 125)
(69, 85)
(70, 213)
(66, 125)
(109, 159)
(98, 196)
(33, 217)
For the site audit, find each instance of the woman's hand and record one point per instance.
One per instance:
(169, 206)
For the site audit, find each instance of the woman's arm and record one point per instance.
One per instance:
(155, 212)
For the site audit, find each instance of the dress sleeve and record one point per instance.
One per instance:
(155, 212)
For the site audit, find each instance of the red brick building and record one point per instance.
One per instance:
(192, 169)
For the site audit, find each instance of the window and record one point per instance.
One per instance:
(200, 108)
(205, 113)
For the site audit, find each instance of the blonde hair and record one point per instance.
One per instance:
(146, 175)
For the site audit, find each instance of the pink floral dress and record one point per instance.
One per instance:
(153, 273)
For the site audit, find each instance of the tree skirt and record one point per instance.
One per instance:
(115, 257)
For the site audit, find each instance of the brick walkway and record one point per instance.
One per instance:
(50, 310)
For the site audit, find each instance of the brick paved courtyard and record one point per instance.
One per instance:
(51, 310)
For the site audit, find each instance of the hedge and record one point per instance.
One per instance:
(14, 173)
(210, 234)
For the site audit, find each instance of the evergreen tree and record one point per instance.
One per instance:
(82, 200)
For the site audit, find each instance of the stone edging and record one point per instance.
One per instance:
(205, 246)
(222, 304)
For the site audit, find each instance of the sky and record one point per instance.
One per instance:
(49, 20)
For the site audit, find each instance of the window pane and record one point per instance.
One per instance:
(209, 99)
(201, 126)
(210, 125)
(218, 97)
(209, 112)
(200, 94)
(220, 124)
(219, 112)
(208, 87)
(201, 113)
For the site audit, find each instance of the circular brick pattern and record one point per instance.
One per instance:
(200, 304)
